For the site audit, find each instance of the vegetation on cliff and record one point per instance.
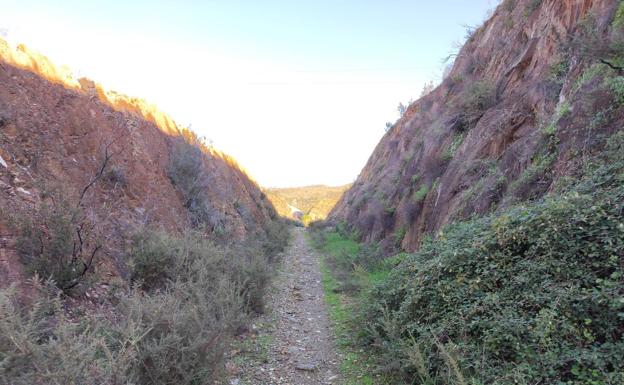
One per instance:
(131, 252)
(533, 91)
(531, 293)
(512, 209)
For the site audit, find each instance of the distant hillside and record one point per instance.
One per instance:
(315, 202)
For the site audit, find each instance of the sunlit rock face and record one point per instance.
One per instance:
(481, 139)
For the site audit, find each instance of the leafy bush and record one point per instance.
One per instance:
(618, 19)
(177, 336)
(532, 294)
(558, 71)
(158, 259)
(399, 235)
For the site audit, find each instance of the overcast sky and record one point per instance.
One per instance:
(297, 91)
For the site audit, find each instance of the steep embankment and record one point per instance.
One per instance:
(57, 133)
(530, 96)
(313, 202)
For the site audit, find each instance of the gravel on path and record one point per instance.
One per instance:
(300, 348)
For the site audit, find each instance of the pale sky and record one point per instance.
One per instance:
(297, 91)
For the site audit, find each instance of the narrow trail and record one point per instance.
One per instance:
(299, 346)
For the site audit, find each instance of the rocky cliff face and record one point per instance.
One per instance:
(520, 109)
(56, 134)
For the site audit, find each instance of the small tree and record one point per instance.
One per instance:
(59, 241)
(402, 108)
(427, 88)
(58, 244)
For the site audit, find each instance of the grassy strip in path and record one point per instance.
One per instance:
(355, 366)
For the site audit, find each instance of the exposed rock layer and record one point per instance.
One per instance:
(447, 159)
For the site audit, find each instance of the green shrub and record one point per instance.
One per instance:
(473, 101)
(152, 258)
(39, 345)
(616, 85)
(185, 329)
(450, 151)
(399, 235)
(176, 336)
(539, 169)
(589, 74)
(158, 259)
(550, 129)
(277, 236)
(618, 19)
(532, 294)
(562, 111)
(175, 332)
(57, 243)
(421, 193)
(558, 71)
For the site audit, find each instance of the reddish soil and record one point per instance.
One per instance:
(53, 135)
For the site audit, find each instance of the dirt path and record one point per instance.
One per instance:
(293, 343)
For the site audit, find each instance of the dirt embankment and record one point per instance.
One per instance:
(55, 133)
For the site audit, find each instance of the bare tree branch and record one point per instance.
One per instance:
(611, 65)
(86, 267)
